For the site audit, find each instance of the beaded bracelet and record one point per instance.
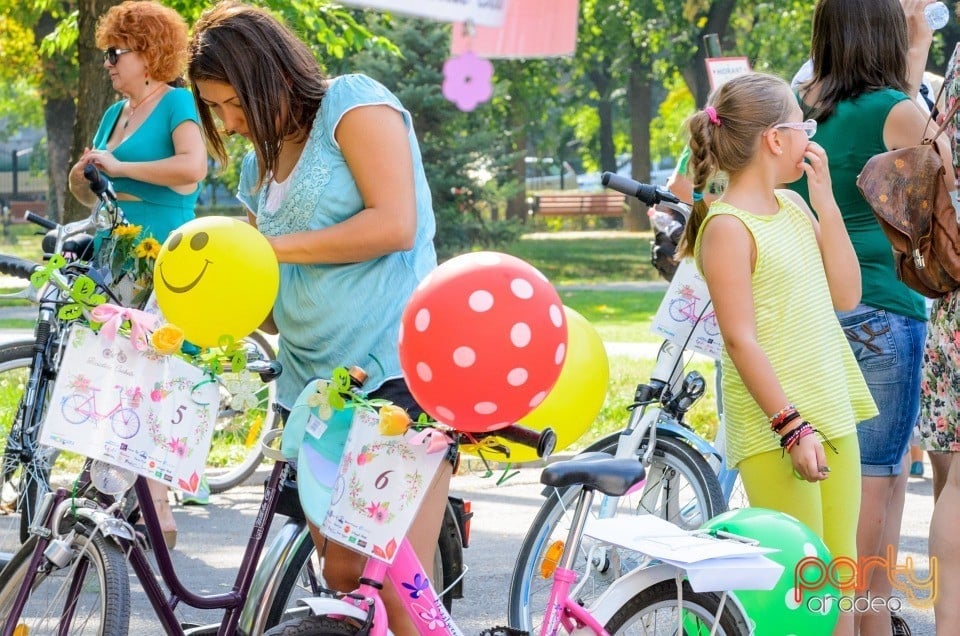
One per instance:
(793, 415)
(778, 418)
(788, 440)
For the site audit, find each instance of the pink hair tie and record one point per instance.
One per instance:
(712, 114)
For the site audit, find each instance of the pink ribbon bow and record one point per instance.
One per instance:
(434, 440)
(113, 317)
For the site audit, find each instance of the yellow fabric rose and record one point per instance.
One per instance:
(393, 420)
(167, 339)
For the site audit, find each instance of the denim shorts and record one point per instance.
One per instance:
(889, 350)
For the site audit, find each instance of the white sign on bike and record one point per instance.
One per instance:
(150, 413)
(712, 564)
(381, 484)
(685, 315)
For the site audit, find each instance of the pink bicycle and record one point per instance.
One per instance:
(78, 408)
(656, 599)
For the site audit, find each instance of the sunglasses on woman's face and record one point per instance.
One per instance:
(113, 54)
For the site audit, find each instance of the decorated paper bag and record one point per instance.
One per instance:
(686, 314)
(151, 413)
(379, 487)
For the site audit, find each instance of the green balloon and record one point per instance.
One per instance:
(777, 611)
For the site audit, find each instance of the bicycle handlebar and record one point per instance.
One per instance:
(15, 266)
(42, 221)
(99, 184)
(649, 194)
(543, 441)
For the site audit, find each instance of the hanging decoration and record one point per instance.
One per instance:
(467, 80)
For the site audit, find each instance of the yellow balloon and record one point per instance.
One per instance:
(573, 402)
(216, 276)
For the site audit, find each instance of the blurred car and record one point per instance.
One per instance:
(543, 173)
(659, 174)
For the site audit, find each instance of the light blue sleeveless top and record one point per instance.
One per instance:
(340, 314)
(160, 209)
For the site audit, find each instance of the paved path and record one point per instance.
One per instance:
(212, 537)
(211, 540)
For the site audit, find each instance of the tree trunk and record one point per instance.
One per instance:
(639, 100)
(695, 73)
(517, 207)
(56, 89)
(94, 92)
(59, 115)
(608, 153)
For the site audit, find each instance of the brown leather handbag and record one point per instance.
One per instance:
(905, 188)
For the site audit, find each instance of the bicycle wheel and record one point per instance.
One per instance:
(97, 574)
(28, 470)
(73, 408)
(316, 626)
(680, 487)
(303, 578)
(125, 423)
(654, 611)
(246, 412)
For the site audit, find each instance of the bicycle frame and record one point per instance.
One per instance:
(421, 601)
(231, 602)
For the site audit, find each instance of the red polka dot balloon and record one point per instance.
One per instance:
(482, 341)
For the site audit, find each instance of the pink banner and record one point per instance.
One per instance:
(531, 28)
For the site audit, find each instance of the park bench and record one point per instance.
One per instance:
(575, 203)
(18, 209)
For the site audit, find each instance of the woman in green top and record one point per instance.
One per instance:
(862, 95)
(149, 143)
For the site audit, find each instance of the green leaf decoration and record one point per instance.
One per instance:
(40, 277)
(70, 312)
(238, 361)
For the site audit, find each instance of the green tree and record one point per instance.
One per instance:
(71, 83)
(454, 145)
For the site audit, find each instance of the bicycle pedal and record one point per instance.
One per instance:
(503, 631)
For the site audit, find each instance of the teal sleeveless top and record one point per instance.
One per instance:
(343, 314)
(797, 330)
(160, 209)
(851, 135)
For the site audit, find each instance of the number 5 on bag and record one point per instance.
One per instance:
(150, 413)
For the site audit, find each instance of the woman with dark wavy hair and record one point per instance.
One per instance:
(336, 183)
(868, 58)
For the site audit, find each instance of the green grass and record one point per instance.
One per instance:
(625, 373)
(568, 258)
(587, 257)
(618, 316)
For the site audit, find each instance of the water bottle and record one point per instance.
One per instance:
(666, 223)
(937, 15)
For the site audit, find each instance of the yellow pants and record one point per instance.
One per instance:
(831, 508)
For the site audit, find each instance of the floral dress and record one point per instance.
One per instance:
(940, 382)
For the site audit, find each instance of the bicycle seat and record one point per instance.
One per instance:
(78, 247)
(599, 471)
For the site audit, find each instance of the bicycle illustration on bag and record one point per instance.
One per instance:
(684, 309)
(78, 408)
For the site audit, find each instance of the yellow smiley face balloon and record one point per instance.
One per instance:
(216, 276)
